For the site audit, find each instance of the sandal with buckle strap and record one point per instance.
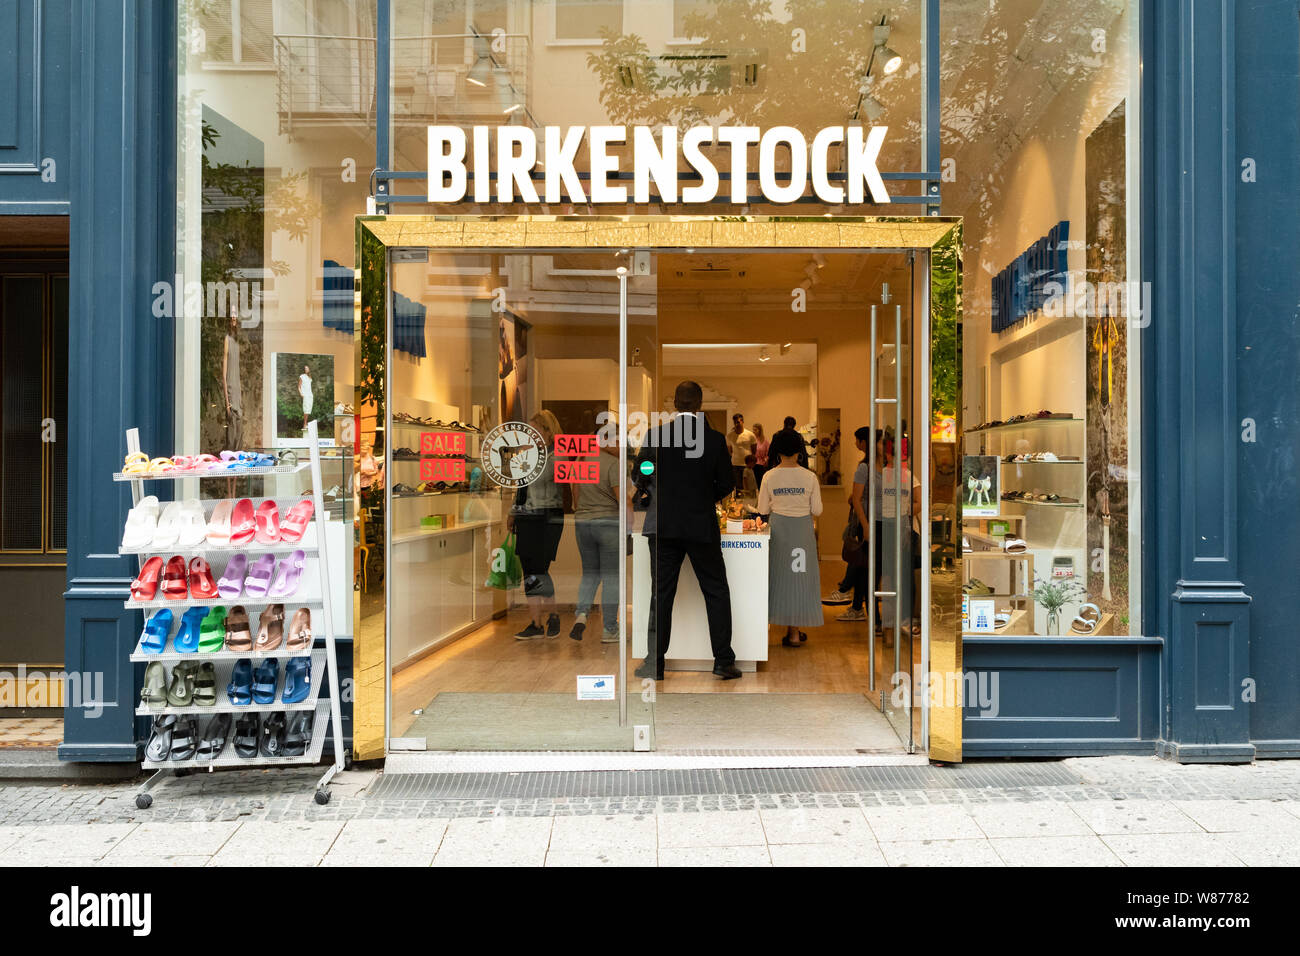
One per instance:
(240, 689)
(266, 678)
(214, 737)
(212, 632)
(175, 580)
(153, 693)
(247, 730)
(205, 685)
(180, 692)
(239, 636)
(300, 636)
(145, 585)
(270, 628)
(159, 747)
(297, 734)
(258, 579)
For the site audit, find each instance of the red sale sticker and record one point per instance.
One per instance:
(442, 443)
(577, 472)
(442, 469)
(576, 446)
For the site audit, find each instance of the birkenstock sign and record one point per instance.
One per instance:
(465, 166)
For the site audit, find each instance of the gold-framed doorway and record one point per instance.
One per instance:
(937, 239)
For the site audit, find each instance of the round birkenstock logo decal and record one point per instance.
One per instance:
(514, 454)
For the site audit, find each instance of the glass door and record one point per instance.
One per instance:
(509, 500)
(893, 504)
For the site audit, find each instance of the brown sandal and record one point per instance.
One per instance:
(300, 636)
(270, 628)
(239, 636)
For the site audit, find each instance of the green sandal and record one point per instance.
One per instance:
(180, 693)
(212, 632)
(205, 685)
(154, 692)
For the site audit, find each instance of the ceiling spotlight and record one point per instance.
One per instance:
(512, 109)
(890, 61)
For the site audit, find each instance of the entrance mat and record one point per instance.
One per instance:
(668, 783)
(682, 723)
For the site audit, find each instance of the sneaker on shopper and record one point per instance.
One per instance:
(533, 630)
(609, 637)
(838, 597)
(853, 614)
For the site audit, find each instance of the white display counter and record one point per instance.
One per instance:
(745, 557)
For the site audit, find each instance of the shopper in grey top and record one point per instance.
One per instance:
(596, 516)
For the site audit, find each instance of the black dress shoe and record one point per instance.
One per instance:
(646, 669)
(726, 671)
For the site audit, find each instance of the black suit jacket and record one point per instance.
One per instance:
(692, 473)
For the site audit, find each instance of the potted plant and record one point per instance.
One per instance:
(1054, 595)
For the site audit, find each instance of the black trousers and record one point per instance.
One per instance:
(666, 556)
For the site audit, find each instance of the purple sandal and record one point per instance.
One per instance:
(286, 581)
(232, 579)
(259, 576)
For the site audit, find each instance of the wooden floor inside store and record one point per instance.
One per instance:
(833, 661)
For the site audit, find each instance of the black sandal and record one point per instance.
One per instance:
(273, 735)
(297, 736)
(185, 738)
(214, 737)
(246, 736)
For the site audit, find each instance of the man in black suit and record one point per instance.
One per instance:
(691, 474)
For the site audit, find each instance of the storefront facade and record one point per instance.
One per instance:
(1059, 314)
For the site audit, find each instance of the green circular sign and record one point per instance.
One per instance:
(647, 467)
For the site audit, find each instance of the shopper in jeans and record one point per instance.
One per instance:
(792, 497)
(537, 519)
(595, 514)
(865, 483)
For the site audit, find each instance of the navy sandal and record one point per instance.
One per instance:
(297, 680)
(240, 688)
(265, 679)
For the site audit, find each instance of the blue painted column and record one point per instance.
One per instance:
(120, 361)
(1190, 483)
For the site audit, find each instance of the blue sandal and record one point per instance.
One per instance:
(297, 680)
(265, 679)
(187, 638)
(240, 688)
(154, 636)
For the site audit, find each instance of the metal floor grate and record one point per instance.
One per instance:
(666, 783)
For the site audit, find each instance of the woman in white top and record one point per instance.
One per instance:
(792, 496)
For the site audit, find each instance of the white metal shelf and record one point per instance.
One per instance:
(224, 706)
(268, 471)
(168, 655)
(312, 601)
(228, 757)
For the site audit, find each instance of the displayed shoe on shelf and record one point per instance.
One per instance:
(243, 525)
(1086, 621)
(294, 525)
(141, 524)
(267, 520)
(297, 733)
(270, 628)
(853, 614)
(154, 636)
(838, 597)
(159, 747)
(266, 676)
(175, 580)
(202, 586)
(240, 689)
(185, 738)
(975, 587)
(300, 635)
(214, 738)
(205, 684)
(153, 693)
(1015, 546)
(145, 585)
(231, 584)
(187, 638)
(212, 632)
(169, 527)
(247, 729)
(180, 691)
(272, 736)
(406, 454)
(192, 525)
(239, 636)
(258, 579)
(288, 576)
(297, 680)
(219, 525)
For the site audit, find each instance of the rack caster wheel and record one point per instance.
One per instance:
(143, 801)
(322, 796)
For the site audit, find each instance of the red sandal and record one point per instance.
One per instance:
(242, 524)
(294, 525)
(175, 584)
(145, 585)
(268, 523)
(201, 583)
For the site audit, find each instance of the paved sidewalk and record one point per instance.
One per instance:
(1115, 812)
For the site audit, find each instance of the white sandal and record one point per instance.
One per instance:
(141, 524)
(1015, 546)
(1088, 624)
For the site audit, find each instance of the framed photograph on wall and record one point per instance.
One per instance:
(981, 497)
(303, 391)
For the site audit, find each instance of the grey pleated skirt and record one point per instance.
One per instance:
(794, 589)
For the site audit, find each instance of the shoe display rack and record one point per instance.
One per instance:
(313, 593)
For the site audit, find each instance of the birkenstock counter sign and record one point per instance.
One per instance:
(514, 454)
(656, 155)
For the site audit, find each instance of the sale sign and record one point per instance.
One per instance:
(442, 469)
(577, 472)
(576, 446)
(442, 443)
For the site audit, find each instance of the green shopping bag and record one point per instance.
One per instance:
(505, 570)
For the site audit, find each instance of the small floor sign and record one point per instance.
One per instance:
(595, 687)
